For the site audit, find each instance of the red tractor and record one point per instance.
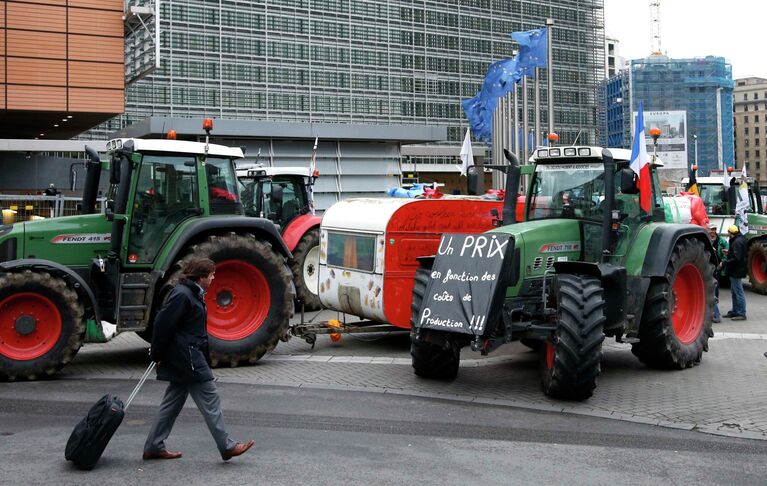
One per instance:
(283, 195)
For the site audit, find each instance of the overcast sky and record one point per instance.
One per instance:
(734, 29)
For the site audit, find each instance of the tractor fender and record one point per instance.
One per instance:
(614, 283)
(661, 244)
(75, 281)
(211, 225)
(296, 229)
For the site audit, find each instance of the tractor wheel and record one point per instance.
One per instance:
(757, 267)
(305, 267)
(676, 320)
(571, 361)
(431, 360)
(249, 302)
(41, 325)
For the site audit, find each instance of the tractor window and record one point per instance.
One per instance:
(567, 191)
(165, 191)
(222, 186)
(714, 198)
(293, 200)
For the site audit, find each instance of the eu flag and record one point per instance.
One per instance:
(533, 49)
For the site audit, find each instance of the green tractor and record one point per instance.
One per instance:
(63, 280)
(720, 203)
(586, 262)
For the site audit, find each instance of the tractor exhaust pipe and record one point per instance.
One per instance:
(607, 230)
(512, 188)
(92, 176)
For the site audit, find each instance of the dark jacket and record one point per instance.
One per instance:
(736, 257)
(180, 336)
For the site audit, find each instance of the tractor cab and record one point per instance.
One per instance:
(594, 187)
(280, 194)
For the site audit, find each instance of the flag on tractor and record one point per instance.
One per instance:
(312, 172)
(640, 163)
(467, 157)
(692, 184)
(743, 203)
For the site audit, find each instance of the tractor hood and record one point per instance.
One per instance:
(69, 240)
(541, 243)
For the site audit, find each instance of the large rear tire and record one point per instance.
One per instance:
(676, 320)
(41, 325)
(435, 354)
(570, 362)
(305, 267)
(757, 267)
(250, 300)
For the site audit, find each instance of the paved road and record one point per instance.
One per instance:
(315, 436)
(725, 395)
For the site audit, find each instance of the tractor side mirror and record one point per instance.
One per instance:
(114, 170)
(275, 196)
(628, 183)
(475, 180)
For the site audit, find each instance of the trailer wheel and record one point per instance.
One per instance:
(41, 325)
(249, 302)
(434, 354)
(757, 267)
(305, 267)
(676, 320)
(570, 362)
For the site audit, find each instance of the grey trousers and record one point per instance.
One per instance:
(205, 395)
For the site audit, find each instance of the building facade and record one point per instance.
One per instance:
(690, 100)
(361, 62)
(61, 66)
(750, 122)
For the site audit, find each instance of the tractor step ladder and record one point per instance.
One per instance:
(134, 301)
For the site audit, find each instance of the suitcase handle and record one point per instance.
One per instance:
(138, 387)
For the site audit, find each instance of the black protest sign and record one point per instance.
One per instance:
(468, 283)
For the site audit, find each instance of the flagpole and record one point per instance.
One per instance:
(537, 115)
(550, 73)
(515, 102)
(525, 144)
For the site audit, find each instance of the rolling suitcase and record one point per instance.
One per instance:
(92, 433)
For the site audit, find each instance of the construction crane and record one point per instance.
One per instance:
(655, 47)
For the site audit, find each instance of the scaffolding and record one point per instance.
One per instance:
(702, 87)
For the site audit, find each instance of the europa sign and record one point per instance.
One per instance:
(468, 283)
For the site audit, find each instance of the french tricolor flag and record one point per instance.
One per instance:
(640, 163)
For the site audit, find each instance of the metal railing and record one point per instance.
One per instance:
(17, 208)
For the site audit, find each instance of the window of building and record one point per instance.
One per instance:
(745, 108)
(745, 96)
(756, 96)
(745, 118)
(756, 130)
(756, 119)
(745, 130)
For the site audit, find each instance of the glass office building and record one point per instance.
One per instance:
(699, 88)
(361, 62)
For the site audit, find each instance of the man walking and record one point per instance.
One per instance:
(721, 247)
(737, 271)
(180, 348)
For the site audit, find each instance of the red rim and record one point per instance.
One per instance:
(30, 325)
(689, 302)
(549, 354)
(758, 267)
(237, 300)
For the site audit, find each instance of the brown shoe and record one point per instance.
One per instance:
(239, 448)
(162, 455)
